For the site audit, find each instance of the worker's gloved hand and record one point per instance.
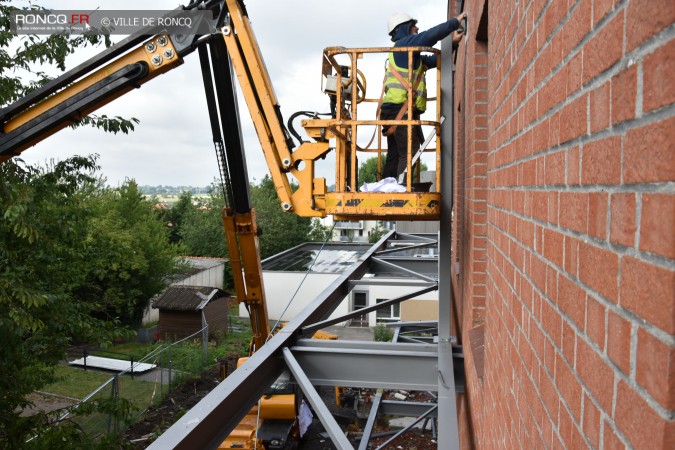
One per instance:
(459, 33)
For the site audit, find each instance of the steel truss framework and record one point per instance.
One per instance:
(409, 364)
(208, 423)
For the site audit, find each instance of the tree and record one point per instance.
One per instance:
(78, 262)
(43, 264)
(174, 217)
(129, 254)
(320, 232)
(202, 229)
(377, 233)
(280, 230)
(43, 256)
(368, 170)
(19, 75)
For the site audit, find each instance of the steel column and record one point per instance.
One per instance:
(337, 435)
(448, 436)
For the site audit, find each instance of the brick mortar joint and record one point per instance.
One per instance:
(619, 250)
(634, 57)
(620, 311)
(618, 374)
(529, 376)
(617, 130)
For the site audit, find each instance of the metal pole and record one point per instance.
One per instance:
(114, 393)
(367, 431)
(205, 341)
(400, 432)
(161, 375)
(448, 435)
(170, 365)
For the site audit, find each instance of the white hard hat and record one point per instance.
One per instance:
(397, 19)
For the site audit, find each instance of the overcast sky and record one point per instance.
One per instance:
(172, 145)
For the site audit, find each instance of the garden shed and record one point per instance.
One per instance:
(184, 310)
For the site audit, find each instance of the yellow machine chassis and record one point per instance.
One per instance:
(384, 205)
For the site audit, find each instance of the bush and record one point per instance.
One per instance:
(382, 333)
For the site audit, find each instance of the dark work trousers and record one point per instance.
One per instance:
(397, 143)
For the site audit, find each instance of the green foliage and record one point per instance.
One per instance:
(319, 232)
(234, 342)
(280, 230)
(377, 233)
(129, 254)
(382, 334)
(113, 125)
(21, 69)
(174, 217)
(42, 261)
(53, 282)
(188, 358)
(368, 170)
(202, 228)
(77, 260)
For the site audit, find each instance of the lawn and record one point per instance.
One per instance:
(75, 382)
(127, 350)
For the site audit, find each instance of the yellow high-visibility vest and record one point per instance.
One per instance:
(397, 92)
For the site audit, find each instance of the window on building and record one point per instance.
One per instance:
(391, 312)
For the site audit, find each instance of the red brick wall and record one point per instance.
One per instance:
(565, 223)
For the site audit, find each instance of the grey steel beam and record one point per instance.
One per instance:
(419, 419)
(395, 337)
(370, 423)
(380, 265)
(431, 243)
(214, 417)
(414, 237)
(448, 436)
(413, 340)
(387, 282)
(406, 409)
(368, 364)
(416, 265)
(308, 330)
(431, 324)
(209, 422)
(331, 426)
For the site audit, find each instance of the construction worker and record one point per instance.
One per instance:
(404, 33)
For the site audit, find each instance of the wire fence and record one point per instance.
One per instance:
(143, 384)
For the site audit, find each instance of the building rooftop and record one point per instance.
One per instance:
(203, 263)
(332, 258)
(187, 298)
(335, 257)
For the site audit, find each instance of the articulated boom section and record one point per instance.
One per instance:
(345, 85)
(241, 232)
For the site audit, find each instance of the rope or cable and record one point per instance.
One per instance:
(255, 441)
(300, 284)
(311, 114)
